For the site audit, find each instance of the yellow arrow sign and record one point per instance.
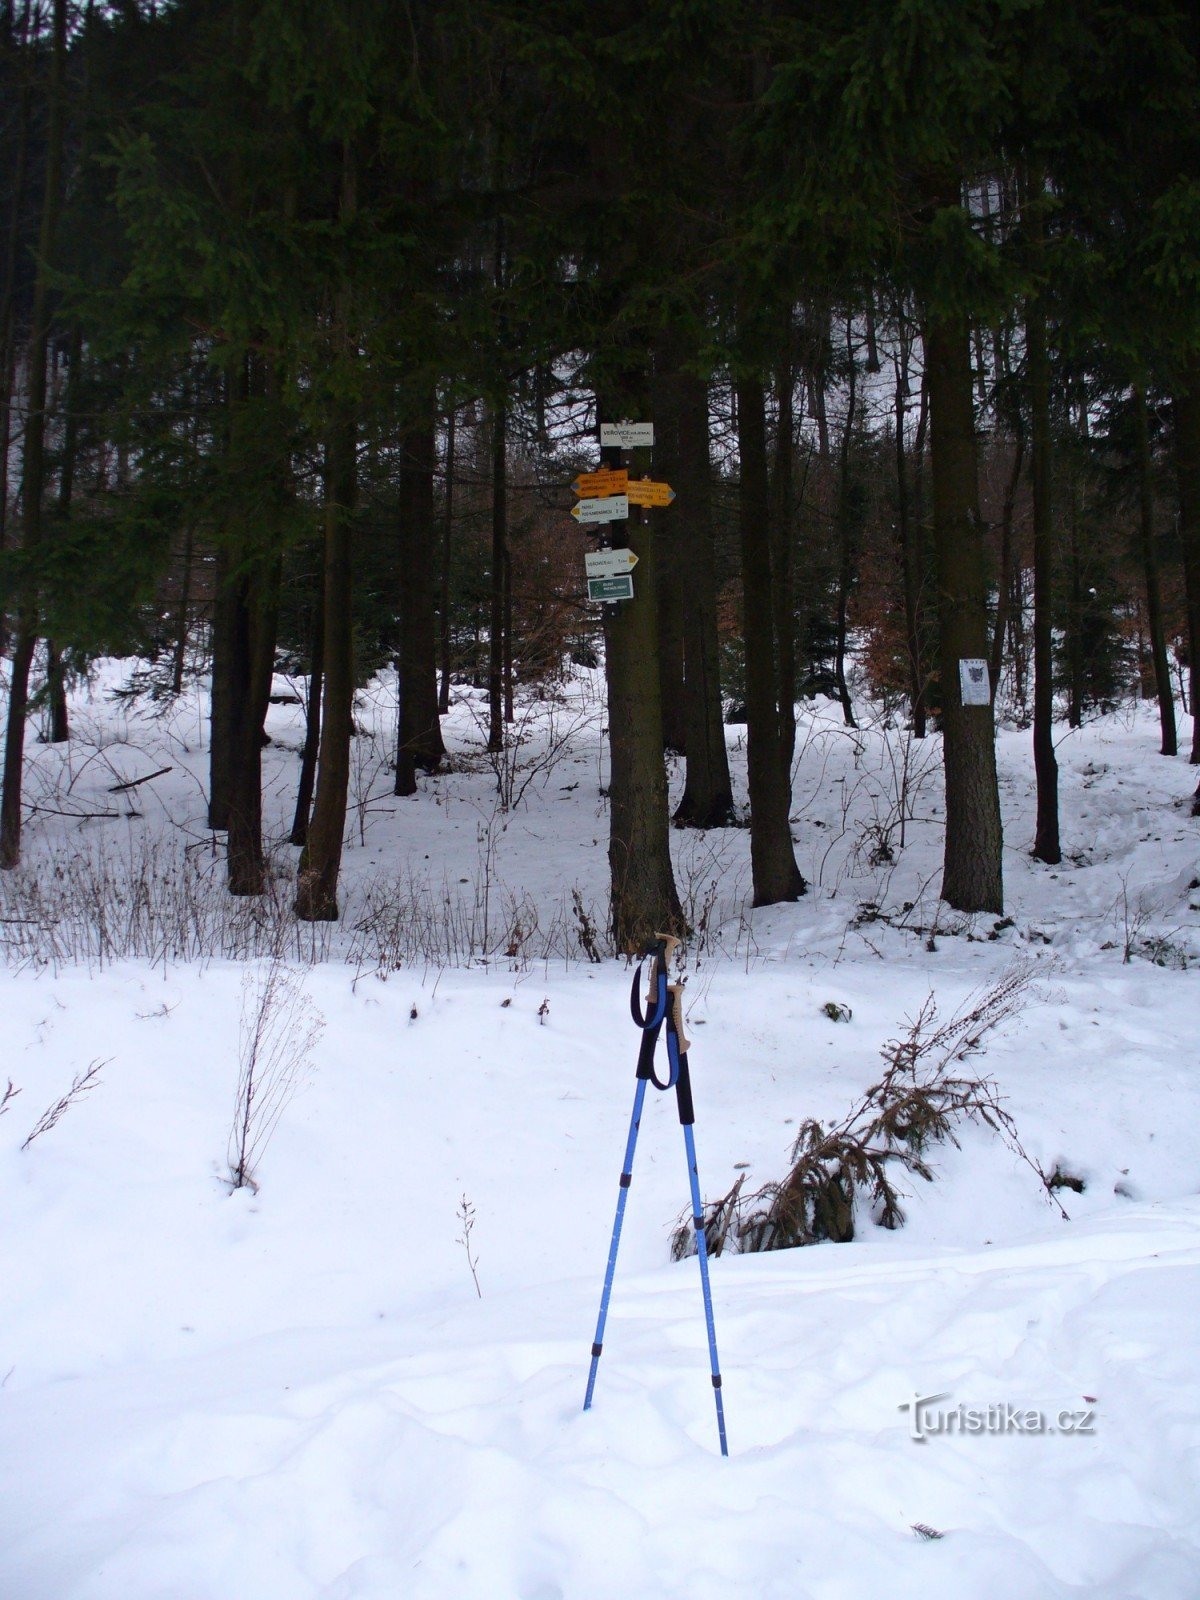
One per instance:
(645, 492)
(590, 485)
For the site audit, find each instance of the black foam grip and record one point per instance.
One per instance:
(683, 1094)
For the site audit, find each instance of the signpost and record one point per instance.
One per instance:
(646, 492)
(607, 590)
(626, 435)
(608, 481)
(608, 508)
(609, 563)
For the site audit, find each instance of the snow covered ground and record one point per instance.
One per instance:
(298, 1392)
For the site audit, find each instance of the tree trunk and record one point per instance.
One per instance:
(1004, 580)
(972, 876)
(845, 519)
(1046, 845)
(34, 465)
(782, 520)
(499, 551)
(1186, 407)
(254, 653)
(222, 696)
(56, 682)
(1154, 617)
(773, 866)
(668, 382)
(312, 721)
(447, 545)
(321, 858)
(183, 608)
(8, 327)
(707, 800)
(419, 744)
(644, 898)
(910, 540)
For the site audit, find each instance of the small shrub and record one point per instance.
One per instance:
(918, 1102)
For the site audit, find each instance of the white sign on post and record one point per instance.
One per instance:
(627, 435)
(975, 683)
(609, 563)
(606, 508)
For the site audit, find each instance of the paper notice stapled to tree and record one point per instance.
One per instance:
(975, 681)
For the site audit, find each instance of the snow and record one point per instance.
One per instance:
(297, 1392)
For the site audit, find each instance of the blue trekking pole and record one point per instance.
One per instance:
(665, 1005)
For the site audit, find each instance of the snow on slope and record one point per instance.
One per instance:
(298, 1393)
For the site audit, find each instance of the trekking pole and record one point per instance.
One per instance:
(665, 1005)
(677, 1048)
(650, 1028)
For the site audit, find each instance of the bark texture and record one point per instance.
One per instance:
(972, 872)
(773, 866)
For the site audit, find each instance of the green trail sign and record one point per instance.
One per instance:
(609, 589)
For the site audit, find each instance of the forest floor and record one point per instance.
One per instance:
(362, 1378)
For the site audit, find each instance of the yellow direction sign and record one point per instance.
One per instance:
(589, 485)
(645, 492)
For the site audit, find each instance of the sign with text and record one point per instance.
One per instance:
(975, 683)
(645, 492)
(606, 590)
(589, 484)
(610, 508)
(628, 435)
(609, 563)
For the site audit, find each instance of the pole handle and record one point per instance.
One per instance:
(675, 990)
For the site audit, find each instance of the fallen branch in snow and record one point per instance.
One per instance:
(83, 1083)
(9, 1095)
(918, 1101)
(75, 816)
(136, 783)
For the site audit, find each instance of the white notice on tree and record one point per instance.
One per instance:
(976, 684)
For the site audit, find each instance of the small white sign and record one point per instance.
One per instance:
(607, 508)
(628, 435)
(975, 683)
(609, 563)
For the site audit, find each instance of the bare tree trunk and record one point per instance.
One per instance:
(644, 899)
(1004, 579)
(499, 552)
(773, 866)
(419, 745)
(782, 582)
(34, 453)
(447, 545)
(321, 858)
(1154, 617)
(1046, 845)
(1186, 407)
(707, 800)
(312, 721)
(909, 536)
(972, 875)
(845, 519)
(56, 683)
(8, 326)
(668, 381)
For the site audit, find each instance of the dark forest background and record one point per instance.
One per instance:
(309, 314)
